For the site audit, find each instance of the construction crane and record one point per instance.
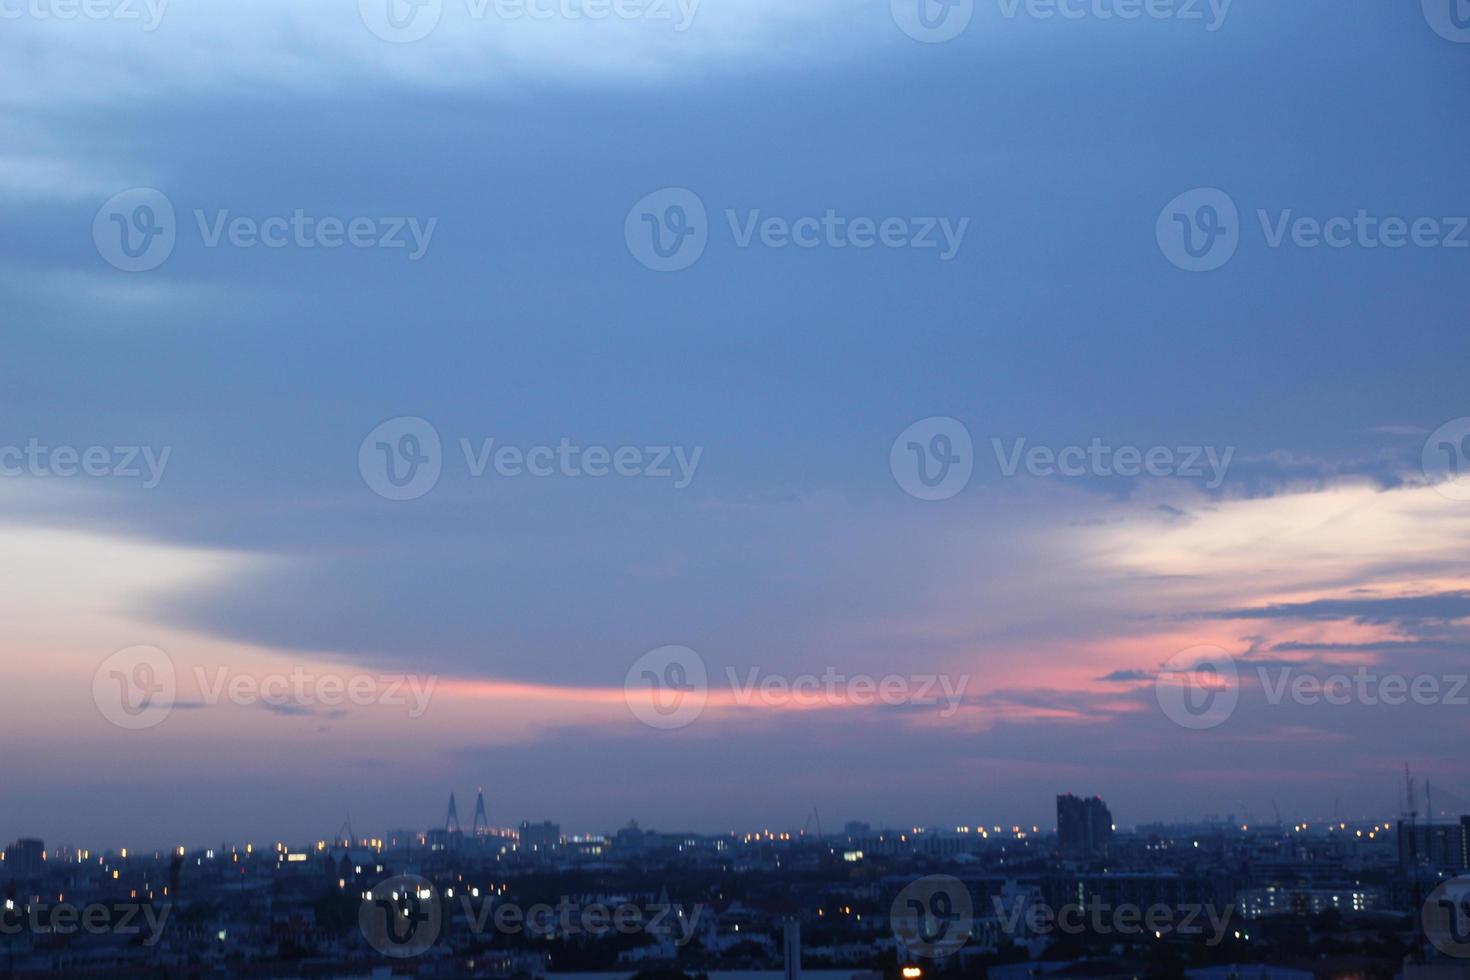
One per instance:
(1411, 813)
(1411, 797)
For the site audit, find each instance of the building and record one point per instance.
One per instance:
(1434, 845)
(1084, 826)
(26, 858)
(1250, 971)
(540, 838)
(1255, 903)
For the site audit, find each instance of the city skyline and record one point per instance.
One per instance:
(1448, 811)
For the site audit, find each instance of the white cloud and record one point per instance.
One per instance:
(296, 46)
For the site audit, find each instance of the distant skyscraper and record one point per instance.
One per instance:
(25, 858)
(1443, 846)
(540, 837)
(631, 839)
(1084, 826)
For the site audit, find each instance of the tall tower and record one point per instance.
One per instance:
(451, 819)
(481, 825)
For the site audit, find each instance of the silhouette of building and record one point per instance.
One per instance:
(1434, 845)
(26, 858)
(541, 837)
(1084, 826)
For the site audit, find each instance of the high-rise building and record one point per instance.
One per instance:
(1445, 846)
(540, 837)
(25, 858)
(1084, 826)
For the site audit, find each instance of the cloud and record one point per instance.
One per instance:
(286, 46)
(1416, 610)
(303, 710)
(1127, 676)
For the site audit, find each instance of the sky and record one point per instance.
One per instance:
(878, 309)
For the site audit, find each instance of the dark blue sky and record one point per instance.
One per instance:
(528, 320)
